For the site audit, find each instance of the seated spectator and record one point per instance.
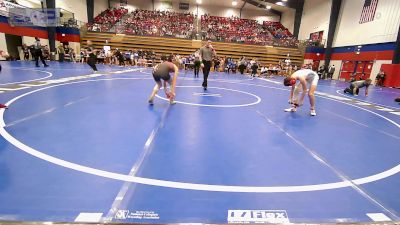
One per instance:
(216, 62)
(101, 56)
(264, 71)
(160, 23)
(142, 61)
(233, 29)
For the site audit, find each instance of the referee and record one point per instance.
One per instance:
(206, 55)
(39, 53)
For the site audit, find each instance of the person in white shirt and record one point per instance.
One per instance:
(287, 62)
(331, 71)
(287, 65)
(305, 77)
(264, 70)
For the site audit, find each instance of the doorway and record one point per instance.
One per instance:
(13, 42)
(362, 70)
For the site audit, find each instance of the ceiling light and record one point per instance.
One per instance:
(280, 3)
(198, 1)
(269, 7)
(284, 0)
(234, 2)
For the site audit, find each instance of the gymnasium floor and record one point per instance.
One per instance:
(78, 146)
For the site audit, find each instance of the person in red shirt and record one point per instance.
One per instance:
(162, 72)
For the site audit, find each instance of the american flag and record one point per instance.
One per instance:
(368, 12)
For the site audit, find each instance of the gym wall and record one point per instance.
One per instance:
(376, 38)
(100, 6)
(315, 18)
(287, 19)
(78, 7)
(383, 29)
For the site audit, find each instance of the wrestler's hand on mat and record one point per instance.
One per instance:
(172, 95)
(172, 98)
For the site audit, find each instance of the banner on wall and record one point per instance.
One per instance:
(5, 7)
(34, 17)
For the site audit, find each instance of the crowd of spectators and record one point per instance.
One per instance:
(282, 35)
(234, 29)
(277, 29)
(182, 25)
(160, 23)
(107, 19)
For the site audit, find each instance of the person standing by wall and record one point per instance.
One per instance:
(242, 64)
(254, 67)
(380, 78)
(61, 53)
(320, 72)
(331, 71)
(25, 50)
(196, 65)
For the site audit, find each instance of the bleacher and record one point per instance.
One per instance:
(161, 45)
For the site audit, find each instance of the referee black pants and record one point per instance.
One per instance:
(38, 55)
(196, 70)
(206, 71)
(92, 64)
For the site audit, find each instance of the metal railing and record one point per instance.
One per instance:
(313, 43)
